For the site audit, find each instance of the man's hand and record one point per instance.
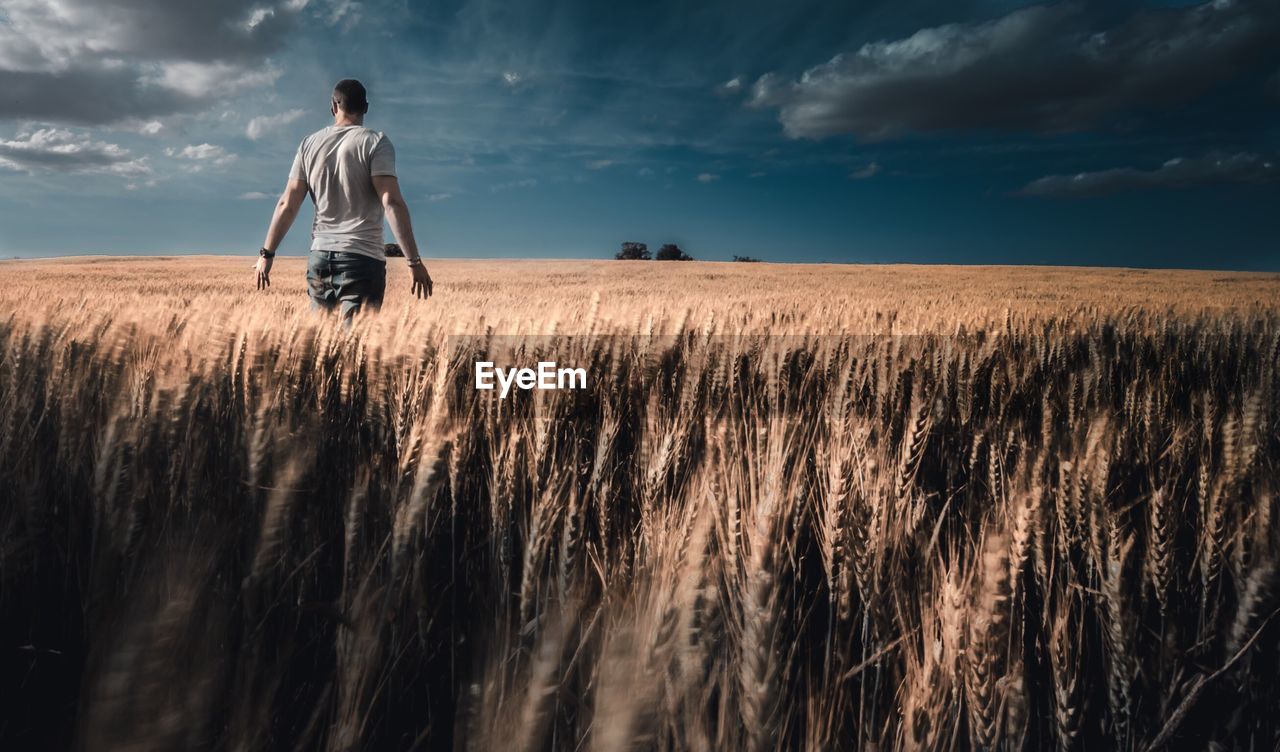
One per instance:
(421, 281)
(263, 268)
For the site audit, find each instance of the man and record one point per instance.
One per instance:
(350, 173)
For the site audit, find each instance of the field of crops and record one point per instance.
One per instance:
(797, 507)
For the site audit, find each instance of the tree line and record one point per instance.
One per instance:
(632, 251)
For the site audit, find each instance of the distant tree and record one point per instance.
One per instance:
(747, 259)
(393, 251)
(633, 252)
(672, 252)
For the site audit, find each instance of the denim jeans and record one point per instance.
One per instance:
(348, 282)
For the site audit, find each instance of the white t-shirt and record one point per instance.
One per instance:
(338, 164)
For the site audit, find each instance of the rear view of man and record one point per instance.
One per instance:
(350, 173)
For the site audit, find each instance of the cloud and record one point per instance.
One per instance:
(706, 177)
(1241, 168)
(870, 171)
(730, 87)
(344, 13)
(522, 183)
(210, 81)
(645, 172)
(140, 127)
(434, 197)
(86, 96)
(253, 196)
(61, 150)
(197, 151)
(103, 61)
(202, 153)
(599, 164)
(1045, 68)
(511, 78)
(56, 32)
(257, 16)
(264, 124)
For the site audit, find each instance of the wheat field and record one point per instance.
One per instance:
(797, 508)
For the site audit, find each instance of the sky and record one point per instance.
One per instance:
(968, 131)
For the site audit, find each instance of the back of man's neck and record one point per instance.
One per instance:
(343, 122)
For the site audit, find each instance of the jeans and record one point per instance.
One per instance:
(349, 282)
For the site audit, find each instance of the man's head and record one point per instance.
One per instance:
(350, 97)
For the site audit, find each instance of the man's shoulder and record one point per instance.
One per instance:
(316, 136)
(364, 139)
(374, 136)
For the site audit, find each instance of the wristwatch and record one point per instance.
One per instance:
(263, 252)
(415, 261)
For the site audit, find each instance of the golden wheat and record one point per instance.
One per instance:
(798, 507)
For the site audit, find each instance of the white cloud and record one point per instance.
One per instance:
(264, 124)
(63, 150)
(707, 177)
(599, 164)
(645, 172)
(730, 87)
(216, 79)
(434, 197)
(870, 171)
(522, 183)
(140, 127)
(201, 154)
(511, 78)
(253, 196)
(345, 13)
(197, 151)
(256, 17)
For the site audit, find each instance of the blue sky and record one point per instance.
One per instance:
(1116, 133)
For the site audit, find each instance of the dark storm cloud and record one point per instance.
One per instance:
(1046, 68)
(200, 31)
(151, 29)
(87, 96)
(99, 61)
(1243, 168)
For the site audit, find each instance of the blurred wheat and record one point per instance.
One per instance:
(804, 522)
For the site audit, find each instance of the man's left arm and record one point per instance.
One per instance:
(286, 211)
(382, 170)
(397, 214)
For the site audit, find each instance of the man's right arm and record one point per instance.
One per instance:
(286, 211)
(281, 220)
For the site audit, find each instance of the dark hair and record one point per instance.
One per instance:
(350, 96)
